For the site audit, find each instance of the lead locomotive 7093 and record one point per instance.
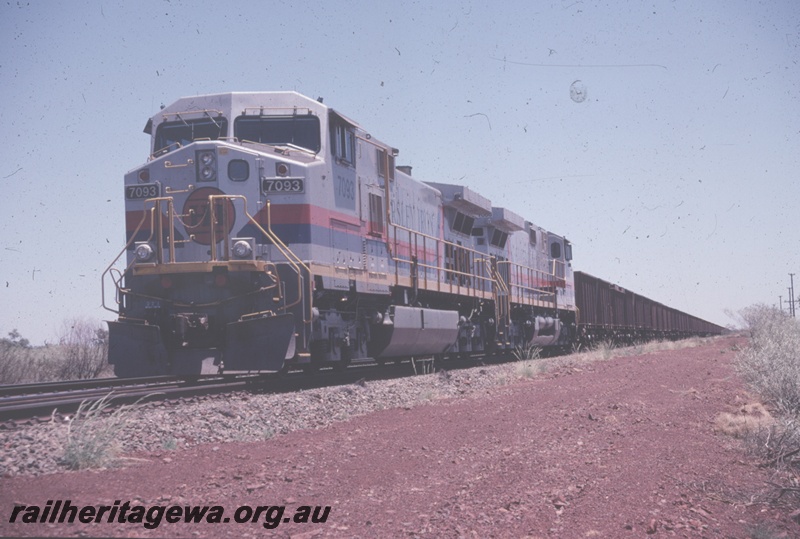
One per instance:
(269, 231)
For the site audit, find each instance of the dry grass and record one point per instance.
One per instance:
(84, 349)
(771, 365)
(530, 364)
(606, 350)
(24, 364)
(530, 368)
(527, 352)
(749, 420)
(81, 353)
(93, 434)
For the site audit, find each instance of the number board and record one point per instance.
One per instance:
(144, 190)
(283, 185)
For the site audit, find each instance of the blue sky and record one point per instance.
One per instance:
(674, 176)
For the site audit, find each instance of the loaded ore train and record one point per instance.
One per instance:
(268, 231)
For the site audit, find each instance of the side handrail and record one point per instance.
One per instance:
(156, 218)
(437, 242)
(518, 282)
(110, 268)
(293, 260)
(502, 297)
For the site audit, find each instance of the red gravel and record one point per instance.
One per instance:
(621, 448)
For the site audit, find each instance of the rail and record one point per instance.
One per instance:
(45, 399)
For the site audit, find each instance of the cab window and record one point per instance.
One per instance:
(172, 135)
(302, 131)
(343, 147)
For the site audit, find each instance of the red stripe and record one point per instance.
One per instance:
(132, 220)
(303, 214)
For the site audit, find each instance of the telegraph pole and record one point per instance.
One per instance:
(791, 294)
(780, 303)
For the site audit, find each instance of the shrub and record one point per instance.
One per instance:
(14, 352)
(530, 369)
(750, 421)
(771, 363)
(527, 352)
(93, 434)
(92, 439)
(605, 349)
(84, 346)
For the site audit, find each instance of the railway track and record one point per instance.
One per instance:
(44, 399)
(32, 400)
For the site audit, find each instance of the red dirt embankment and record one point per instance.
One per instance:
(619, 448)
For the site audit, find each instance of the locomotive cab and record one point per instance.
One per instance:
(208, 284)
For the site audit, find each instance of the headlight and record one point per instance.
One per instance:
(206, 163)
(242, 249)
(143, 252)
(207, 173)
(207, 158)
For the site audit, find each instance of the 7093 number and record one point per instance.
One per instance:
(283, 186)
(147, 190)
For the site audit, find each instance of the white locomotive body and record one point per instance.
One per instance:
(269, 231)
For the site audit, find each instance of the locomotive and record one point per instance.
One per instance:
(268, 231)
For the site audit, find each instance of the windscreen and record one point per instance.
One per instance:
(300, 131)
(172, 135)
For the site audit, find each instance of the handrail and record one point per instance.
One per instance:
(395, 256)
(292, 259)
(515, 287)
(517, 283)
(502, 298)
(278, 147)
(157, 229)
(559, 264)
(297, 148)
(178, 114)
(110, 268)
(293, 108)
(498, 277)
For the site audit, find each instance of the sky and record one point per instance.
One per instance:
(661, 138)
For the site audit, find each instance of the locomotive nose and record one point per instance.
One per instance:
(208, 220)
